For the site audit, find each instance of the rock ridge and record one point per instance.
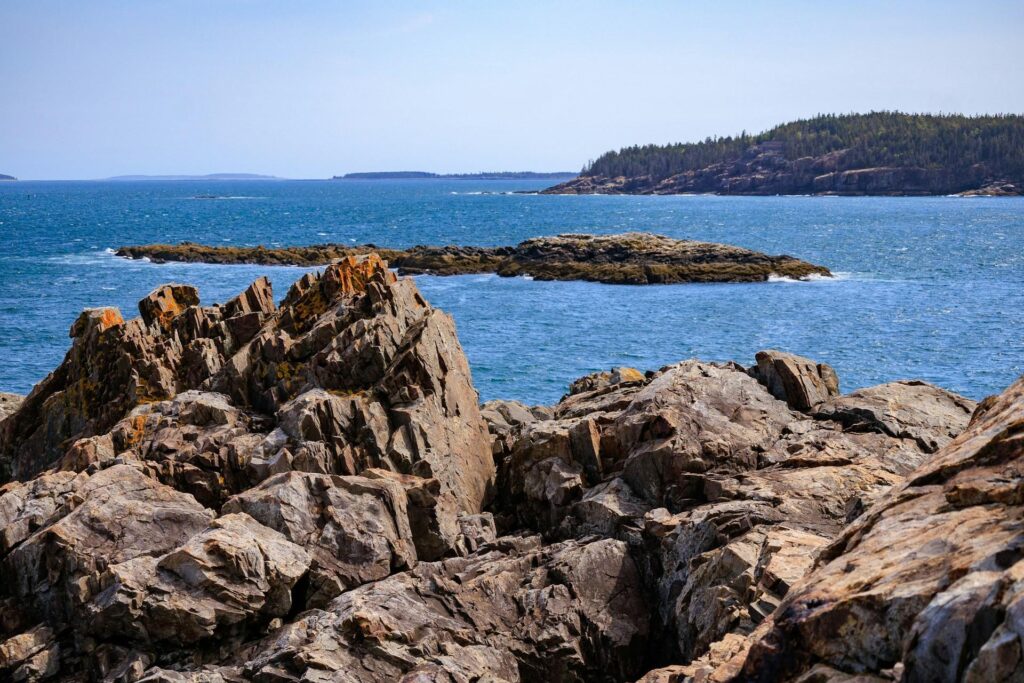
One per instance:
(629, 258)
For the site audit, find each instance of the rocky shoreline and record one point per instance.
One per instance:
(764, 170)
(311, 492)
(629, 258)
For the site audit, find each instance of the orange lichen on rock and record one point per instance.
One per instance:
(350, 275)
(98, 319)
(167, 302)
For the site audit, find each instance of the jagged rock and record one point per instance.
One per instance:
(114, 366)
(567, 612)
(927, 580)
(757, 488)
(77, 526)
(798, 381)
(356, 529)
(907, 409)
(688, 419)
(360, 371)
(165, 303)
(234, 572)
(601, 380)
(244, 492)
(433, 516)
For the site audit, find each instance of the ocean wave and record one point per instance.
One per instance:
(813, 277)
(220, 196)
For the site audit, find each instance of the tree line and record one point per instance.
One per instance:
(883, 138)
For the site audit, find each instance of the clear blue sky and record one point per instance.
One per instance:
(312, 88)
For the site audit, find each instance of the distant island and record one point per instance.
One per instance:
(497, 175)
(880, 153)
(7, 177)
(209, 176)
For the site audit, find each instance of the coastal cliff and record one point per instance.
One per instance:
(883, 153)
(309, 491)
(630, 258)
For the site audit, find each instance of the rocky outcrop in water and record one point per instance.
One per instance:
(305, 492)
(630, 258)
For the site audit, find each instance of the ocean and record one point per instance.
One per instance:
(927, 288)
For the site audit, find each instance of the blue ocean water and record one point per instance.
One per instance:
(929, 288)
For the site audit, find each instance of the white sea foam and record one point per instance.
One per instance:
(813, 277)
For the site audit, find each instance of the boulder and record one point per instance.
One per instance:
(925, 582)
(798, 381)
(565, 612)
(234, 572)
(908, 409)
(355, 529)
(77, 526)
(601, 380)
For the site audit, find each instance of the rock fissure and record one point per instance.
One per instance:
(292, 493)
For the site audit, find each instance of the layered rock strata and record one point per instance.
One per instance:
(629, 258)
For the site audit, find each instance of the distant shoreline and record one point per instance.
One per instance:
(425, 175)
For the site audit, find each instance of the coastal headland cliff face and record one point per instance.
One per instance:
(880, 153)
(635, 258)
(310, 491)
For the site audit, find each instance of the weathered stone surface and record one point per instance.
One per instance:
(753, 488)
(798, 381)
(234, 572)
(9, 403)
(63, 530)
(927, 580)
(567, 612)
(355, 529)
(250, 493)
(907, 409)
(357, 368)
(601, 380)
(114, 365)
(166, 303)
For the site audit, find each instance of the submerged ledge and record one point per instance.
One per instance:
(635, 258)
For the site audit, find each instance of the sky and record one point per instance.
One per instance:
(310, 89)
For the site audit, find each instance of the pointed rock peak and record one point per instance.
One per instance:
(167, 302)
(351, 274)
(95, 320)
(257, 298)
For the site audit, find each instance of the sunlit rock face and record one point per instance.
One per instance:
(310, 491)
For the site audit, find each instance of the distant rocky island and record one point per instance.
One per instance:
(7, 177)
(310, 491)
(210, 176)
(881, 153)
(415, 175)
(629, 258)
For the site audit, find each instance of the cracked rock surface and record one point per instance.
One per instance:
(310, 492)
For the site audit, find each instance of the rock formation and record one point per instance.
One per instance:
(307, 492)
(630, 258)
(9, 403)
